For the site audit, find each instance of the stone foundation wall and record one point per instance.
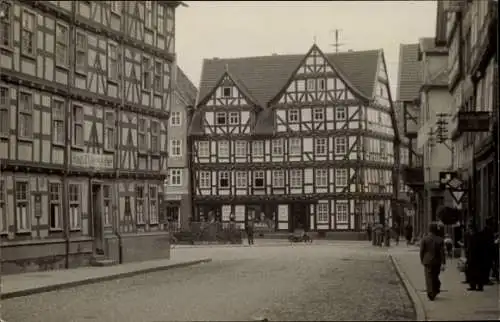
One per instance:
(43, 255)
(139, 247)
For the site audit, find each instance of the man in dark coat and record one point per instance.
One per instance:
(433, 258)
(489, 241)
(408, 233)
(250, 230)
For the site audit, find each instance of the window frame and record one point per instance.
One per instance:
(224, 175)
(147, 77)
(139, 205)
(259, 175)
(295, 149)
(154, 214)
(223, 149)
(206, 148)
(28, 113)
(311, 84)
(32, 32)
(241, 179)
(4, 225)
(75, 217)
(219, 116)
(322, 213)
(176, 118)
(205, 180)
(277, 147)
(7, 23)
(342, 147)
(240, 146)
(258, 148)
(154, 136)
(340, 113)
(321, 178)
(293, 116)
(77, 123)
(175, 173)
(148, 15)
(109, 131)
(115, 7)
(341, 173)
(321, 111)
(229, 94)
(58, 118)
(62, 43)
(296, 178)
(278, 177)
(320, 149)
(176, 144)
(113, 65)
(81, 51)
(5, 112)
(55, 202)
(142, 138)
(157, 76)
(23, 203)
(234, 118)
(107, 201)
(340, 216)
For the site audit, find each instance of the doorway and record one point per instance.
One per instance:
(97, 218)
(299, 216)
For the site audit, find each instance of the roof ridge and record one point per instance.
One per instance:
(288, 55)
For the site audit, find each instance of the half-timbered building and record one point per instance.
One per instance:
(84, 97)
(295, 141)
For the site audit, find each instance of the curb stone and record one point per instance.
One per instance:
(410, 290)
(98, 279)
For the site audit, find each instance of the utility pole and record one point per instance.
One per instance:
(336, 44)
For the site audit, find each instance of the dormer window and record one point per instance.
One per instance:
(220, 118)
(227, 92)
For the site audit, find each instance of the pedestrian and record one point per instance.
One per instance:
(250, 230)
(433, 259)
(448, 242)
(496, 273)
(369, 231)
(488, 235)
(408, 234)
(476, 261)
(396, 233)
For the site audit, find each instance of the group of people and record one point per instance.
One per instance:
(378, 233)
(481, 252)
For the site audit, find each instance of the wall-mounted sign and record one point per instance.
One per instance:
(173, 197)
(473, 121)
(38, 206)
(91, 160)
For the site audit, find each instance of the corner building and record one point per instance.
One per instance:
(85, 95)
(297, 141)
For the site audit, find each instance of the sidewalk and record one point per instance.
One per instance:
(454, 302)
(38, 282)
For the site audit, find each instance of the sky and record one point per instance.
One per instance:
(226, 29)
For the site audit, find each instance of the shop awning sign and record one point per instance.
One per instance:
(457, 195)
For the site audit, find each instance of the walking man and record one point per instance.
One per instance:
(408, 233)
(433, 259)
(250, 227)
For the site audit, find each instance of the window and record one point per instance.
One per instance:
(295, 147)
(205, 179)
(74, 206)
(158, 81)
(321, 84)
(115, 7)
(107, 198)
(22, 207)
(25, 116)
(341, 177)
(146, 74)
(241, 148)
(277, 147)
(57, 122)
(140, 211)
(224, 179)
(319, 114)
(293, 116)
(322, 213)
(278, 178)
(109, 131)
(6, 26)
(175, 148)
(234, 118)
(148, 14)
(175, 177)
(340, 145)
(340, 113)
(295, 178)
(175, 118)
(321, 177)
(81, 51)
(3, 208)
(258, 179)
(28, 33)
(4, 111)
(154, 217)
(241, 179)
(62, 38)
(220, 118)
(320, 146)
(155, 137)
(383, 149)
(341, 213)
(223, 149)
(141, 135)
(203, 149)
(77, 125)
(160, 22)
(112, 62)
(257, 148)
(311, 84)
(227, 92)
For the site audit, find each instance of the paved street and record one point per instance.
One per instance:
(302, 282)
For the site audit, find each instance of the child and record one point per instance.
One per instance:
(448, 242)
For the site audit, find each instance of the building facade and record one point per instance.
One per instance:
(470, 33)
(178, 191)
(296, 141)
(433, 136)
(410, 81)
(85, 98)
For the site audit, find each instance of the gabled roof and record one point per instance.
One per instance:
(265, 76)
(409, 73)
(186, 88)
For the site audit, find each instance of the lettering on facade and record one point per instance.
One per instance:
(91, 160)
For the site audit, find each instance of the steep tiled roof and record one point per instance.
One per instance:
(409, 73)
(185, 87)
(265, 76)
